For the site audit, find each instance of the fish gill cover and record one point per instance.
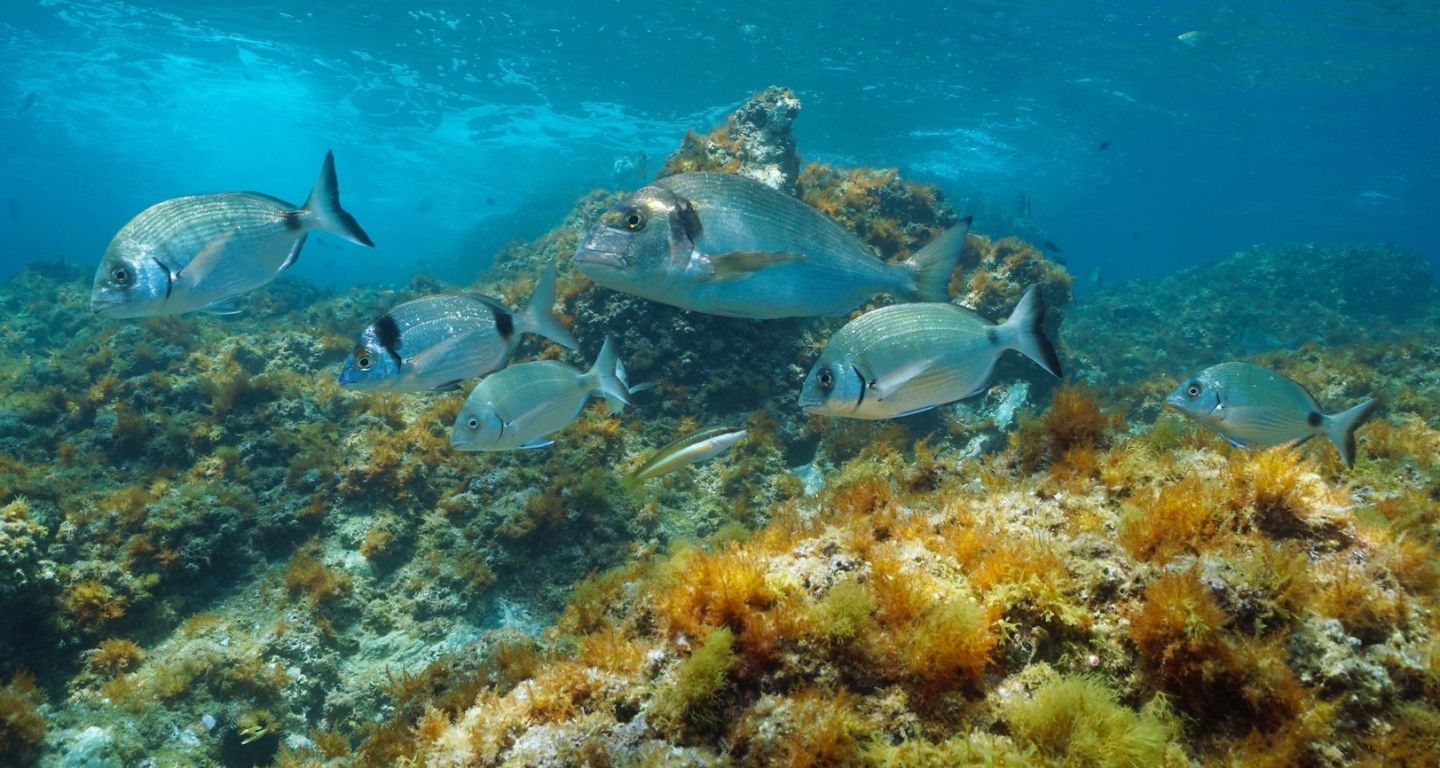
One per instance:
(214, 554)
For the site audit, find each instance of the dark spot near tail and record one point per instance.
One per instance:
(387, 332)
(1314, 419)
(992, 336)
(294, 220)
(504, 322)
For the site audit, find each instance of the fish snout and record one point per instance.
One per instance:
(608, 259)
(1178, 402)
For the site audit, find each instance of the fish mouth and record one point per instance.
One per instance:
(103, 307)
(596, 258)
(1175, 404)
(348, 378)
(461, 444)
(812, 406)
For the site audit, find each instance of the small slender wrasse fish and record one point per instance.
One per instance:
(518, 406)
(690, 449)
(1251, 405)
(908, 358)
(728, 245)
(433, 343)
(199, 252)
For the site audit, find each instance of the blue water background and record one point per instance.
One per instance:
(1291, 121)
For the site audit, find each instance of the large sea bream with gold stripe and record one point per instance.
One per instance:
(728, 245)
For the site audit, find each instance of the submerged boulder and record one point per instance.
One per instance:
(754, 142)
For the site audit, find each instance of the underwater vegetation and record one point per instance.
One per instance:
(210, 553)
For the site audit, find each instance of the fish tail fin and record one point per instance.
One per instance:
(539, 316)
(930, 268)
(324, 205)
(1341, 427)
(606, 381)
(1030, 338)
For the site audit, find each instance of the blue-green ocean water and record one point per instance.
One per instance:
(1287, 121)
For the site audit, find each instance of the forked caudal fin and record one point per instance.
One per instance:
(606, 381)
(1341, 427)
(1030, 338)
(538, 316)
(932, 265)
(324, 205)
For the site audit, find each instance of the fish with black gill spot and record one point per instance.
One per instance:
(435, 342)
(198, 253)
(907, 358)
(1253, 405)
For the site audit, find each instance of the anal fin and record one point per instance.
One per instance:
(294, 254)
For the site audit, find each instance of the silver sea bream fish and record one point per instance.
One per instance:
(518, 406)
(199, 252)
(690, 449)
(435, 342)
(728, 245)
(908, 358)
(1252, 405)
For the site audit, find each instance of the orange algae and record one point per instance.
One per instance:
(874, 588)
(22, 726)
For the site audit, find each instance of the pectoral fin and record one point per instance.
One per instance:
(449, 386)
(887, 385)
(221, 307)
(205, 261)
(739, 265)
(518, 424)
(424, 361)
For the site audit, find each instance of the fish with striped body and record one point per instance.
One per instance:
(435, 342)
(690, 449)
(197, 253)
(1252, 405)
(908, 358)
(518, 406)
(728, 245)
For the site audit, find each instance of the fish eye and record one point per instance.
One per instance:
(473, 422)
(1193, 390)
(634, 220)
(825, 379)
(364, 362)
(121, 275)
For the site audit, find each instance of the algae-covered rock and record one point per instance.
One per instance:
(755, 142)
(217, 533)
